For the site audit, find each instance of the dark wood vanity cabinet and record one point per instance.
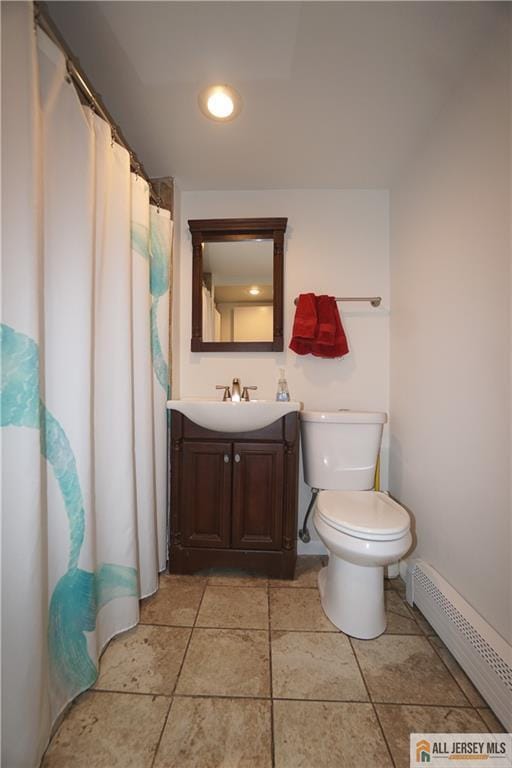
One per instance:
(205, 501)
(234, 498)
(258, 496)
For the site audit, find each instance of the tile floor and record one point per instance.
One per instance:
(231, 671)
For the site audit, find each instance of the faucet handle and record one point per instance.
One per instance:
(245, 393)
(227, 393)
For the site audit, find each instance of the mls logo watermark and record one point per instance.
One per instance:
(453, 750)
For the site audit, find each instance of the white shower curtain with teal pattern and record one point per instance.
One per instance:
(84, 379)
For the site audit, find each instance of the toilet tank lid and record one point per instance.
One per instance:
(345, 417)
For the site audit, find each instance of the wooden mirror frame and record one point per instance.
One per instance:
(227, 230)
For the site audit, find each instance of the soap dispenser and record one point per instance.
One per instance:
(283, 394)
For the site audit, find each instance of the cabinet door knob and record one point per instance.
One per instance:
(237, 458)
(226, 458)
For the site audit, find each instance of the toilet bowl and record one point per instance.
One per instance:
(363, 532)
(362, 529)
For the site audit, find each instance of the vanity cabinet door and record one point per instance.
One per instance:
(206, 494)
(257, 517)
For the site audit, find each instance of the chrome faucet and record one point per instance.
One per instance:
(235, 391)
(234, 394)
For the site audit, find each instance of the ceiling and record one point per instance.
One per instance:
(335, 94)
(240, 294)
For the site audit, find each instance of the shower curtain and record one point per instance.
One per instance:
(209, 310)
(84, 379)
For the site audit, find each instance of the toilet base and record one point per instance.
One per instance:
(353, 597)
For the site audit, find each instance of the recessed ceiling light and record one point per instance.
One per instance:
(254, 291)
(220, 102)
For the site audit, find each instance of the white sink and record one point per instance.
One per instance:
(233, 417)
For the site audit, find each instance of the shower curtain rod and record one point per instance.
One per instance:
(82, 83)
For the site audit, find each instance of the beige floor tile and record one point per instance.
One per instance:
(463, 680)
(306, 572)
(226, 662)
(236, 578)
(145, 660)
(109, 730)
(491, 720)
(170, 579)
(311, 734)
(238, 608)
(399, 617)
(215, 733)
(315, 665)
(176, 603)
(397, 584)
(403, 669)
(398, 722)
(298, 609)
(423, 624)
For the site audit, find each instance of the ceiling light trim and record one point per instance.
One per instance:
(207, 98)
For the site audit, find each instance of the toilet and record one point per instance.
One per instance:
(363, 530)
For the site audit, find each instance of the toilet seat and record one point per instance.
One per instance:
(369, 515)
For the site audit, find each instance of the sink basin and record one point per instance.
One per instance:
(233, 417)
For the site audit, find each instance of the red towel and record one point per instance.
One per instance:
(326, 329)
(330, 340)
(317, 327)
(304, 325)
(340, 343)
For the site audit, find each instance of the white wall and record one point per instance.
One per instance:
(450, 340)
(337, 243)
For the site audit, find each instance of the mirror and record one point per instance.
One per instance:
(238, 291)
(237, 284)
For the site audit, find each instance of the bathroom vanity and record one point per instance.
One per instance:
(234, 463)
(234, 496)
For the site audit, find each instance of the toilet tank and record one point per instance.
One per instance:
(340, 448)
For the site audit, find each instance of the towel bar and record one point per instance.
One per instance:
(374, 300)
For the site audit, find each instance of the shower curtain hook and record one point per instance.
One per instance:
(37, 14)
(132, 164)
(68, 77)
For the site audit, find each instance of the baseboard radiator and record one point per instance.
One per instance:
(483, 654)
